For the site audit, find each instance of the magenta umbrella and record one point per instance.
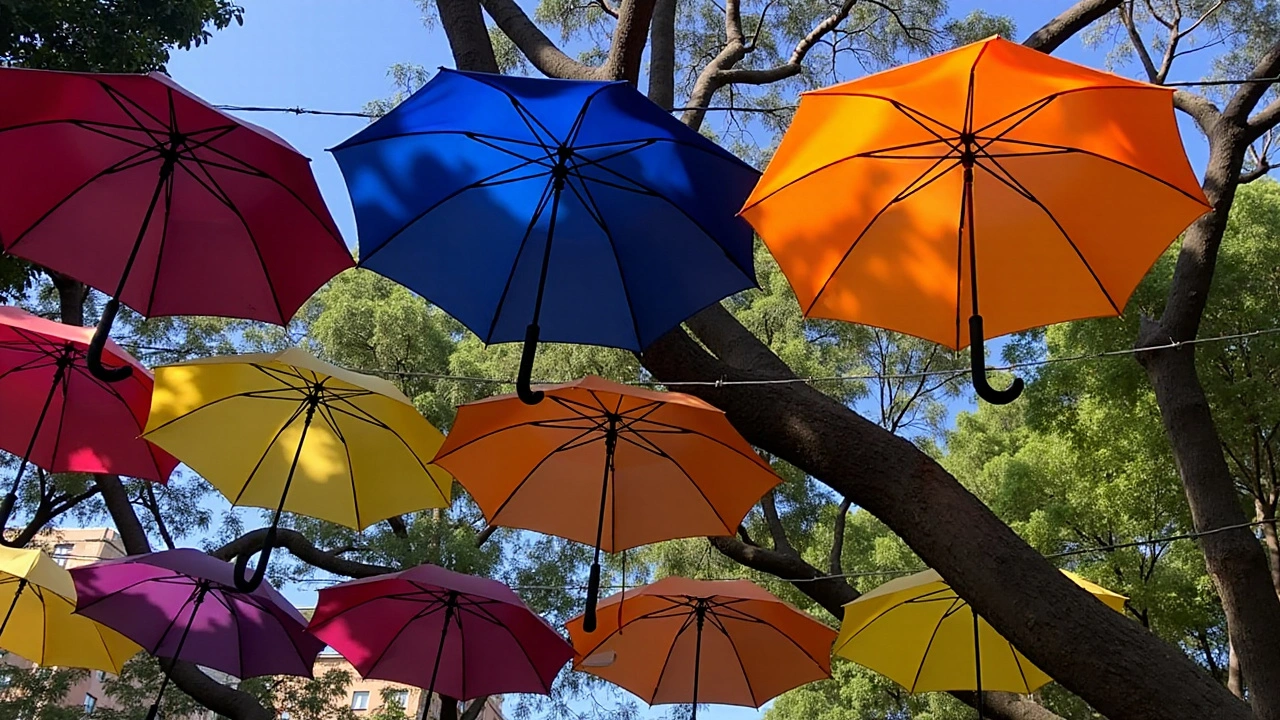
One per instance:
(429, 627)
(183, 604)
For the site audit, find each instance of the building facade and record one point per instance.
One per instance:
(366, 697)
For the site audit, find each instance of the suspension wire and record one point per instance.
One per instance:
(808, 380)
(770, 109)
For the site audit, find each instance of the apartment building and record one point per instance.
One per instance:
(367, 696)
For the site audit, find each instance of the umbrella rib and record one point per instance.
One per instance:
(1017, 186)
(326, 414)
(521, 110)
(491, 433)
(718, 623)
(475, 136)
(688, 621)
(1080, 151)
(39, 362)
(1018, 663)
(598, 217)
(901, 107)
(156, 649)
(426, 612)
(65, 382)
(117, 98)
(508, 151)
(262, 458)
(580, 121)
(659, 196)
(372, 420)
(235, 617)
(283, 186)
(100, 129)
(226, 200)
(924, 658)
(870, 224)
(118, 165)
(516, 490)
(193, 411)
(284, 375)
(164, 236)
(728, 530)
(462, 649)
(546, 198)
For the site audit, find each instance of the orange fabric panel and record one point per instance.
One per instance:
(680, 469)
(1079, 183)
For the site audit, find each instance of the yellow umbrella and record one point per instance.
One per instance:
(286, 431)
(917, 632)
(39, 623)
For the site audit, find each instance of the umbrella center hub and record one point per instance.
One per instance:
(560, 170)
(969, 149)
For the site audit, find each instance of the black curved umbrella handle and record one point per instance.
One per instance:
(978, 362)
(593, 593)
(153, 711)
(528, 395)
(99, 342)
(248, 585)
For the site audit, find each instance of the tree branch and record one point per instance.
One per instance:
(779, 534)
(630, 34)
(831, 593)
(153, 506)
(837, 541)
(1135, 38)
(1068, 23)
(464, 28)
(533, 43)
(1266, 119)
(662, 54)
(1246, 99)
(300, 547)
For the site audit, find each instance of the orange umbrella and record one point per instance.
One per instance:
(1057, 184)
(605, 464)
(719, 641)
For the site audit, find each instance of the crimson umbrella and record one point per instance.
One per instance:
(183, 604)
(136, 187)
(59, 417)
(433, 628)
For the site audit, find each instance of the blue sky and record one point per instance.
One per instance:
(335, 54)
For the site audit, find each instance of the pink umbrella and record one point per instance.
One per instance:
(59, 417)
(133, 185)
(429, 627)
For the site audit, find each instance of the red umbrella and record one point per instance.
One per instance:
(429, 627)
(133, 185)
(58, 416)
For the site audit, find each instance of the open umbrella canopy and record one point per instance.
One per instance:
(689, 641)
(38, 599)
(1052, 185)
(183, 604)
(59, 417)
(918, 633)
(606, 464)
(133, 185)
(565, 210)
(428, 627)
(287, 431)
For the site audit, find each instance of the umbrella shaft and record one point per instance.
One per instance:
(973, 248)
(557, 189)
(977, 664)
(22, 585)
(165, 171)
(444, 633)
(610, 445)
(58, 375)
(697, 659)
(195, 607)
(302, 439)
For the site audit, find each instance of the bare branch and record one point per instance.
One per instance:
(1247, 97)
(1200, 108)
(793, 65)
(485, 534)
(830, 593)
(1267, 119)
(1139, 45)
(396, 523)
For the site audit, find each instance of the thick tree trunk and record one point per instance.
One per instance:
(1235, 559)
(1122, 670)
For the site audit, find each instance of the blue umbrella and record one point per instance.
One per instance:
(562, 210)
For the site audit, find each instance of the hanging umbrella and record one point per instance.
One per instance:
(138, 188)
(1058, 185)
(286, 431)
(183, 604)
(689, 641)
(606, 465)
(59, 416)
(39, 600)
(428, 627)
(919, 633)
(560, 210)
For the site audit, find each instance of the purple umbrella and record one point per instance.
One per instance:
(441, 630)
(161, 600)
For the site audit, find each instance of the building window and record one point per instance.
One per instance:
(102, 676)
(399, 697)
(360, 700)
(90, 702)
(62, 552)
